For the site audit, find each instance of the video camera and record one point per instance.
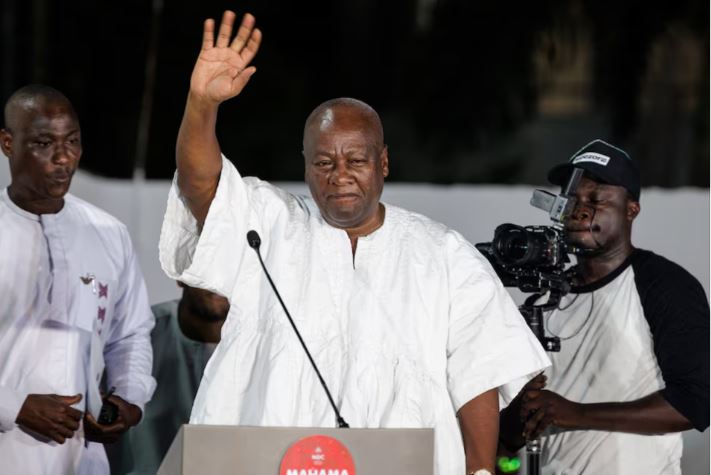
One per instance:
(534, 258)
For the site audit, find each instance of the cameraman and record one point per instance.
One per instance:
(633, 370)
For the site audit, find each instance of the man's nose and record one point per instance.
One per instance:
(341, 173)
(63, 154)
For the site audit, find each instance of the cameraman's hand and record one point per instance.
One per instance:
(510, 423)
(50, 415)
(128, 416)
(541, 408)
(537, 383)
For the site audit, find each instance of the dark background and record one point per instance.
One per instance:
(469, 91)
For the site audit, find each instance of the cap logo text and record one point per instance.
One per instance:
(592, 157)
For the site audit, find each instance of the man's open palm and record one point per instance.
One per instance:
(222, 71)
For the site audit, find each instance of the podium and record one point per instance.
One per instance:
(245, 450)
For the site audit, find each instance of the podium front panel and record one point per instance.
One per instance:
(241, 450)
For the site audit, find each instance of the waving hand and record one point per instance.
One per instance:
(222, 69)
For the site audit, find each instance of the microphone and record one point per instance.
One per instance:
(254, 242)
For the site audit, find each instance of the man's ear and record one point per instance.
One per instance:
(633, 209)
(6, 142)
(384, 161)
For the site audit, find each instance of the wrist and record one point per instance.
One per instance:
(578, 416)
(201, 104)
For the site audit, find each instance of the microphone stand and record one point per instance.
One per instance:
(254, 242)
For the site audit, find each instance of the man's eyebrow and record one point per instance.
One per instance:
(49, 133)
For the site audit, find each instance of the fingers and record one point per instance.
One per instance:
(73, 414)
(50, 415)
(531, 402)
(67, 410)
(244, 33)
(246, 43)
(62, 433)
(68, 400)
(539, 382)
(242, 78)
(536, 424)
(248, 53)
(130, 414)
(103, 433)
(208, 34)
(71, 424)
(223, 36)
(118, 426)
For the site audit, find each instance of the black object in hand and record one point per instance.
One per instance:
(108, 414)
(109, 411)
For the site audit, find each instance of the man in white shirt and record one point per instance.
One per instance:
(73, 301)
(406, 320)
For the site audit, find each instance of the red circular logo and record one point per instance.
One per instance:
(317, 455)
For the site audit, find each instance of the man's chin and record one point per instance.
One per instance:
(58, 190)
(582, 243)
(342, 220)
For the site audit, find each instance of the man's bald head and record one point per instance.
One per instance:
(357, 112)
(29, 98)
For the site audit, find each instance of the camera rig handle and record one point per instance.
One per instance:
(533, 314)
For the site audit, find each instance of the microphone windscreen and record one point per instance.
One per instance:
(253, 239)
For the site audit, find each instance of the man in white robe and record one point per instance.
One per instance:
(406, 320)
(73, 298)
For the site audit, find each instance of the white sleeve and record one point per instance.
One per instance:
(128, 353)
(10, 403)
(209, 260)
(489, 345)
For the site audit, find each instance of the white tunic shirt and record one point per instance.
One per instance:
(405, 332)
(65, 278)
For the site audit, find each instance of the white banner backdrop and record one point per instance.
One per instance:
(673, 223)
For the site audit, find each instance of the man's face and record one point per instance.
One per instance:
(44, 148)
(602, 219)
(346, 167)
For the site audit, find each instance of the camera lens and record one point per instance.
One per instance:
(517, 246)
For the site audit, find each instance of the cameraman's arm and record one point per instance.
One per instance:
(677, 312)
(651, 414)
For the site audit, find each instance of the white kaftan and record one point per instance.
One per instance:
(405, 333)
(65, 277)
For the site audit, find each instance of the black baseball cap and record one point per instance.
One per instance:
(605, 163)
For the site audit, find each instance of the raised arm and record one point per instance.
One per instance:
(220, 73)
